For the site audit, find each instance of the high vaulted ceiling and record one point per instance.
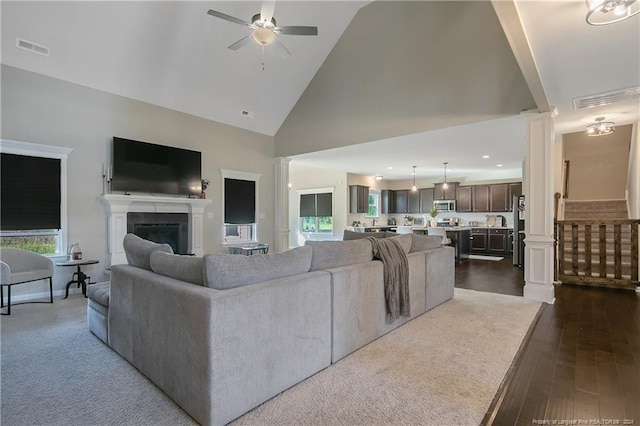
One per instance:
(174, 55)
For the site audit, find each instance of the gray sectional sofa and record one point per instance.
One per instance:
(224, 333)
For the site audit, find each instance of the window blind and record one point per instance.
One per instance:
(239, 201)
(316, 205)
(29, 192)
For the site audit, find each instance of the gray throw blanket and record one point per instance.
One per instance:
(396, 276)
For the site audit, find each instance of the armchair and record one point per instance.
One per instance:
(19, 266)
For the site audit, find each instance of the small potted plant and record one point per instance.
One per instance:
(434, 213)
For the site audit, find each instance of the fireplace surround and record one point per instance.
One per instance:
(123, 209)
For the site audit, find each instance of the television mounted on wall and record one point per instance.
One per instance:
(151, 168)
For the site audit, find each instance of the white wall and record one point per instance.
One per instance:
(633, 179)
(302, 178)
(48, 111)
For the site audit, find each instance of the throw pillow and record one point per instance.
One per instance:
(331, 254)
(224, 271)
(424, 242)
(183, 268)
(404, 240)
(138, 250)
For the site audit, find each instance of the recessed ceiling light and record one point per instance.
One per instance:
(485, 156)
(499, 165)
(389, 168)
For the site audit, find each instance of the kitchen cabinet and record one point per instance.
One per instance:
(440, 193)
(402, 201)
(499, 196)
(515, 189)
(463, 199)
(388, 200)
(414, 202)
(509, 241)
(358, 199)
(479, 240)
(460, 241)
(426, 200)
(498, 241)
(481, 198)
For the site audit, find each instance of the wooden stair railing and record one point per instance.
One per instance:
(598, 252)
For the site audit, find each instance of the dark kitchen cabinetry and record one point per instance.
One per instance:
(460, 241)
(498, 241)
(426, 200)
(441, 193)
(402, 201)
(515, 189)
(479, 240)
(500, 199)
(463, 199)
(388, 200)
(481, 198)
(414, 202)
(358, 199)
(510, 241)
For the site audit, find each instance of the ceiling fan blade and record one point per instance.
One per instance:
(238, 44)
(297, 30)
(228, 17)
(282, 50)
(266, 12)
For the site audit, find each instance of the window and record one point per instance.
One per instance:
(374, 203)
(240, 194)
(316, 211)
(33, 196)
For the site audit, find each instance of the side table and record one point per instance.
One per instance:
(78, 277)
(249, 249)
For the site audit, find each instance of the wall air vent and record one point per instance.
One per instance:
(32, 47)
(602, 99)
(247, 114)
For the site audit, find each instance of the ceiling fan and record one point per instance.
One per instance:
(263, 28)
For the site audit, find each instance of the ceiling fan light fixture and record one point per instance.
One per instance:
(601, 127)
(605, 12)
(263, 36)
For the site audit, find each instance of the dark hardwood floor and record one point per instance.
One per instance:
(580, 362)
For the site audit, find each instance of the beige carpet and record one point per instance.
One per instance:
(442, 368)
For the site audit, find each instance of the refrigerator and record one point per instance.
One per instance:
(517, 207)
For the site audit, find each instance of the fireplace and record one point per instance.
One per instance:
(170, 228)
(157, 217)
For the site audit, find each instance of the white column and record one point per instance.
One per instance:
(117, 229)
(282, 204)
(538, 190)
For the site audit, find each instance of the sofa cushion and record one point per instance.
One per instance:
(332, 254)
(425, 242)
(224, 271)
(352, 235)
(183, 268)
(138, 250)
(99, 293)
(404, 240)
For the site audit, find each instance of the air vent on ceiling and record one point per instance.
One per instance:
(247, 114)
(32, 47)
(608, 98)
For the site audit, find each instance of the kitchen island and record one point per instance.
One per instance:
(460, 237)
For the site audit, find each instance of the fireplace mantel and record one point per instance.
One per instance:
(118, 205)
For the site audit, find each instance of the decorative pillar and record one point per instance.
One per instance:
(538, 190)
(282, 204)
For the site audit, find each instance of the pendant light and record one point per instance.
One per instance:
(445, 185)
(601, 128)
(414, 188)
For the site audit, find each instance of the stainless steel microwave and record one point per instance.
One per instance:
(445, 205)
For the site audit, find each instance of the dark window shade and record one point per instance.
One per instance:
(30, 192)
(323, 206)
(316, 205)
(307, 205)
(239, 201)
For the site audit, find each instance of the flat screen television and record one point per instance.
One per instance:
(147, 167)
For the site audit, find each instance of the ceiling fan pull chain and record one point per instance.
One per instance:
(263, 57)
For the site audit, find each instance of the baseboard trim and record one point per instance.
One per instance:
(34, 297)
